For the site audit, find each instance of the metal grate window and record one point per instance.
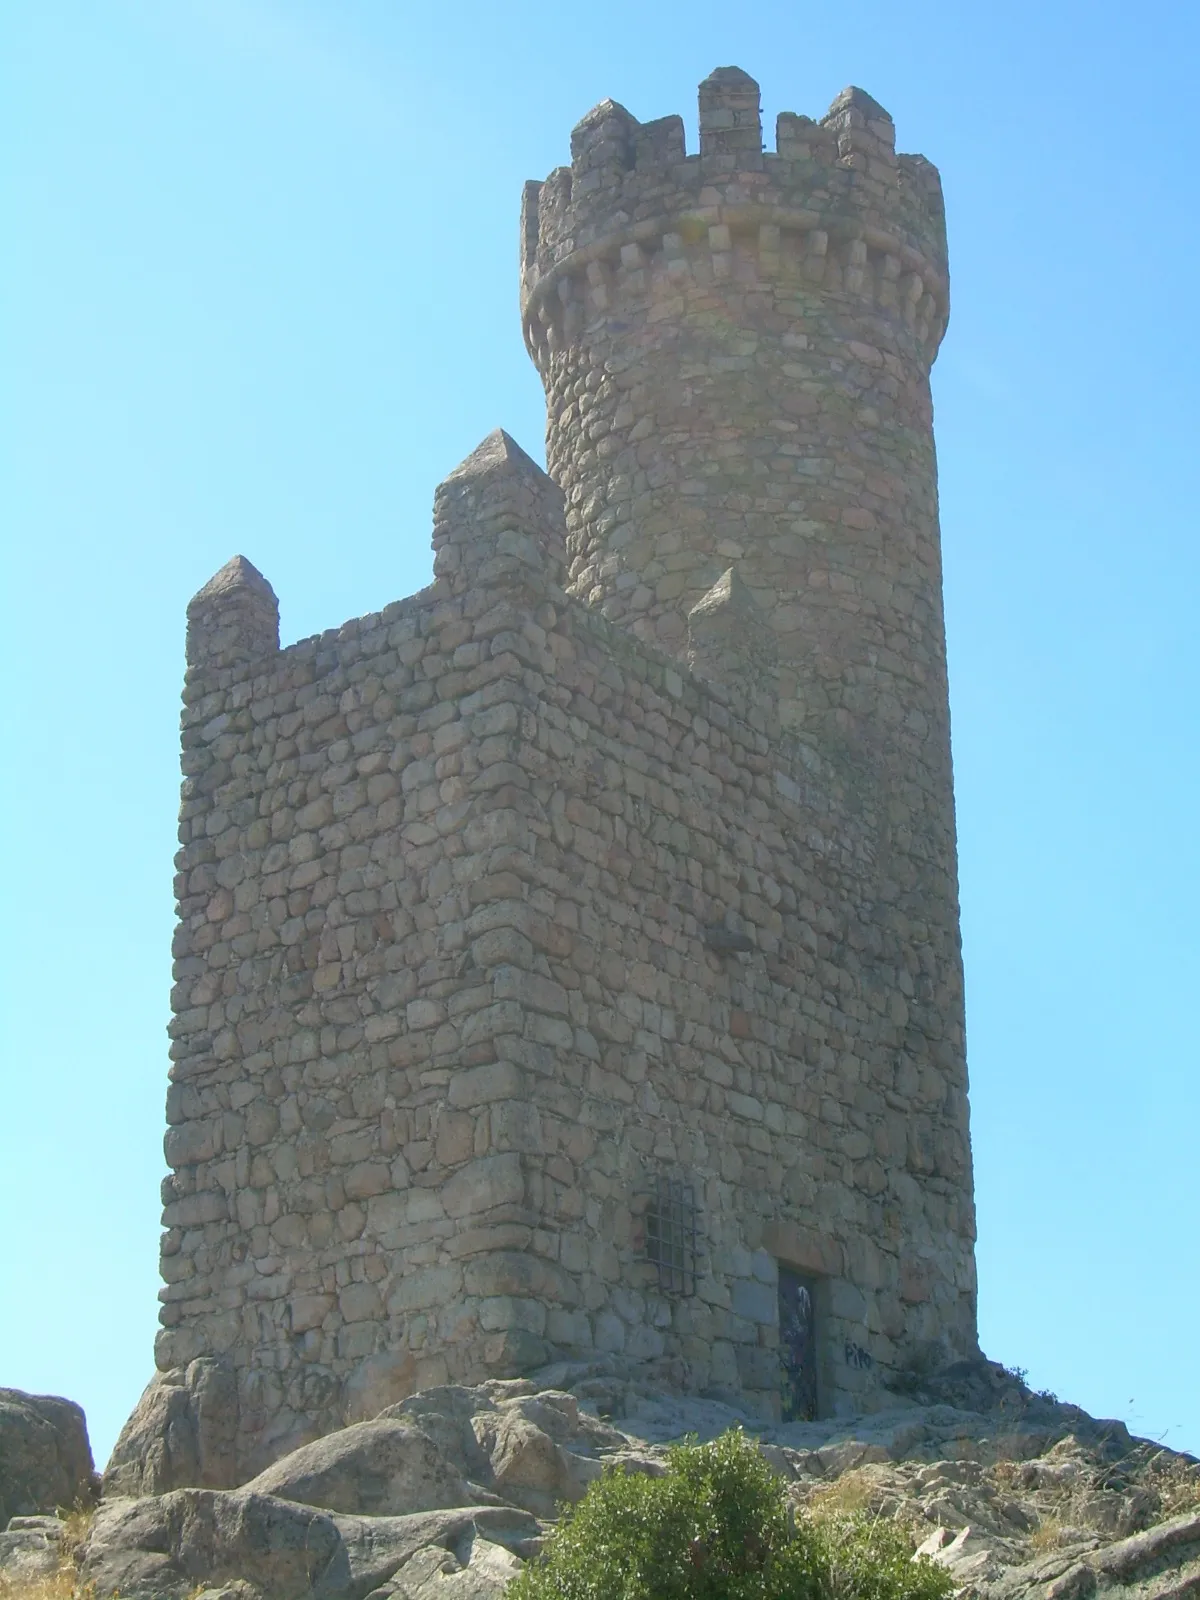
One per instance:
(671, 1235)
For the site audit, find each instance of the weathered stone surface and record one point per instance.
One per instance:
(167, 1545)
(527, 1466)
(378, 1551)
(182, 1432)
(45, 1457)
(448, 1416)
(1144, 1552)
(380, 1381)
(480, 1185)
(31, 1547)
(381, 1468)
(476, 1569)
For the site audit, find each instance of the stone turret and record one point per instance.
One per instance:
(735, 348)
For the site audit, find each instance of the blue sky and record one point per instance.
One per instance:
(259, 295)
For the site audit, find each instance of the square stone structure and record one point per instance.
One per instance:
(568, 956)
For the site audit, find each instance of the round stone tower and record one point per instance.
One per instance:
(735, 348)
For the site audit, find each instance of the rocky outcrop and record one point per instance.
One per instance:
(383, 1468)
(1056, 1547)
(31, 1548)
(165, 1545)
(449, 1491)
(45, 1457)
(182, 1434)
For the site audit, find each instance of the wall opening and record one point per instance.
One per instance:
(798, 1335)
(671, 1235)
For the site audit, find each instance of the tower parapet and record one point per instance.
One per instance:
(833, 203)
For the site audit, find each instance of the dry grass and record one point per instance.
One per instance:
(853, 1491)
(60, 1585)
(1145, 1487)
(862, 1490)
(63, 1583)
(1048, 1534)
(1174, 1482)
(77, 1524)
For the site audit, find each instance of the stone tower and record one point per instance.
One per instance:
(735, 348)
(567, 966)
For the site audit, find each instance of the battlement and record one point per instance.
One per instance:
(833, 205)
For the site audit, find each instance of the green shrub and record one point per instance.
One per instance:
(865, 1557)
(717, 1526)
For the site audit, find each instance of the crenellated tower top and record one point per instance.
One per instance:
(864, 221)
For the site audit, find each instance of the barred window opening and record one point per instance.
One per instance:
(671, 1235)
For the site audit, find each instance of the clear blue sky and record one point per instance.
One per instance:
(259, 295)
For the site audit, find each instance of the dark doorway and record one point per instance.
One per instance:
(798, 1346)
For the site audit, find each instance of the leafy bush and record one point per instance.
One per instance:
(718, 1526)
(864, 1557)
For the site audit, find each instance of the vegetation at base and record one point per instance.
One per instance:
(60, 1585)
(718, 1526)
(63, 1582)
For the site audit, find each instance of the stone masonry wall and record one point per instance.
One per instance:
(810, 1086)
(449, 1001)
